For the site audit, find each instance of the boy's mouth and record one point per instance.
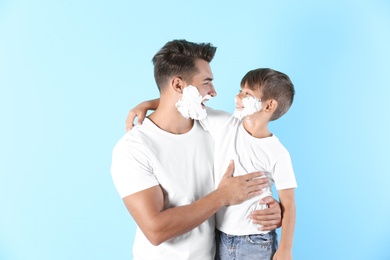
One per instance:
(239, 107)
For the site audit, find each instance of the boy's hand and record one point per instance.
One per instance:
(282, 255)
(138, 111)
(269, 218)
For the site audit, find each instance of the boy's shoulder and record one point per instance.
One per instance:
(276, 146)
(215, 120)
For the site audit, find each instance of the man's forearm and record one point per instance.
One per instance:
(177, 221)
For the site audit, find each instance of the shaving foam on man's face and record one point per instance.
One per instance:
(250, 105)
(191, 104)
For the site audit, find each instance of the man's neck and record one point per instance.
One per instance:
(170, 120)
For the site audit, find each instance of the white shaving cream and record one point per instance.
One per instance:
(190, 104)
(251, 105)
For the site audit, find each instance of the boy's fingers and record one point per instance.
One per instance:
(140, 120)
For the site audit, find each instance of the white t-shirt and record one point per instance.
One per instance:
(182, 165)
(250, 154)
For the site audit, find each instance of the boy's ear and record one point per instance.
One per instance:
(177, 84)
(271, 105)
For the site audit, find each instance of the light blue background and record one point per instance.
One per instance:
(70, 71)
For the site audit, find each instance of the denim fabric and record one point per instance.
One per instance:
(259, 246)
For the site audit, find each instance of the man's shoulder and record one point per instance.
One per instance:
(131, 139)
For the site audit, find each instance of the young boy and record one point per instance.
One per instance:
(265, 96)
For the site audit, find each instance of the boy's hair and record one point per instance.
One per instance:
(177, 58)
(273, 85)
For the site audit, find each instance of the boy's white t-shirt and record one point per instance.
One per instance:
(250, 154)
(182, 165)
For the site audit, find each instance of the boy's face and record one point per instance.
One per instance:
(248, 102)
(246, 92)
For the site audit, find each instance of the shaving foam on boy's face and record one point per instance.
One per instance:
(250, 105)
(191, 104)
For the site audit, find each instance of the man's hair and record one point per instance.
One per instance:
(177, 58)
(273, 85)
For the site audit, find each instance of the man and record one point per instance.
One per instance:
(163, 169)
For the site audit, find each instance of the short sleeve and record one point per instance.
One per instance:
(131, 168)
(283, 176)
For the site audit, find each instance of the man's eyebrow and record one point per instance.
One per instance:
(208, 79)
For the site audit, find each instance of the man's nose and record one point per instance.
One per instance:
(212, 92)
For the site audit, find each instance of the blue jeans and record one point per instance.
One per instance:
(260, 247)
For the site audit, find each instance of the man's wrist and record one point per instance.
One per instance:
(218, 198)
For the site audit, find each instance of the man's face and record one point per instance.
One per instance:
(203, 79)
(197, 92)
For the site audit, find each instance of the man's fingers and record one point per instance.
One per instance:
(269, 217)
(269, 201)
(268, 228)
(253, 175)
(257, 183)
(230, 169)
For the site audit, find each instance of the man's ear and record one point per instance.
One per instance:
(270, 105)
(177, 84)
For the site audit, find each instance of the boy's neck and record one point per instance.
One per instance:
(256, 128)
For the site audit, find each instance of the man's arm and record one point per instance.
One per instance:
(159, 224)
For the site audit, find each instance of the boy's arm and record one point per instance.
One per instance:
(287, 202)
(140, 111)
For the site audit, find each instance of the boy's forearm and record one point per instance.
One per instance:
(288, 226)
(288, 219)
(151, 104)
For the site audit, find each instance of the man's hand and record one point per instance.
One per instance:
(269, 218)
(240, 188)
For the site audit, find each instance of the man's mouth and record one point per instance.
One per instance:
(204, 100)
